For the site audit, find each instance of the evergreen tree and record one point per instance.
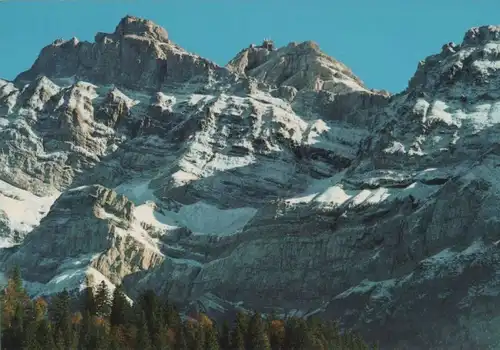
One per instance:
(120, 307)
(237, 338)
(30, 337)
(85, 338)
(60, 315)
(181, 342)
(298, 335)
(160, 339)
(195, 336)
(199, 337)
(256, 338)
(15, 276)
(171, 315)
(17, 328)
(44, 336)
(103, 300)
(151, 306)
(225, 337)
(118, 339)
(151, 325)
(93, 334)
(211, 340)
(242, 322)
(143, 336)
(89, 303)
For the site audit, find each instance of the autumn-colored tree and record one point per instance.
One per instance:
(150, 323)
(276, 333)
(40, 308)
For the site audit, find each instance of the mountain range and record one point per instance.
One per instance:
(278, 183)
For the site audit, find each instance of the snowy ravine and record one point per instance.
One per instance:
(277, 183)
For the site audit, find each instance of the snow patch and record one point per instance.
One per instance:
(397, 147)
(23, 209)
(70, 280)
(202, 218)
(137, 191)
(376, 289)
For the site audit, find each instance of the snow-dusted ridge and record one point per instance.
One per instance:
(279, 182)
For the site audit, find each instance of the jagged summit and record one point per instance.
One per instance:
(481, 35)
(137, 55)
(130, 25)
(459, 67)
(299, 65)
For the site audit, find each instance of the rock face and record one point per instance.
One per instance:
(277, 183)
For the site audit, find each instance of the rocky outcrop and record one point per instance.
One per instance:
(138, 54)
(300, 65)
(279, 183)
(92, 226)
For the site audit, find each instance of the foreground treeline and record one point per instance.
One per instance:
(104, 320)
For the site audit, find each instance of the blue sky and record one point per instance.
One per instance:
(381, 41)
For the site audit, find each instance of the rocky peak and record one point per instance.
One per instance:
(481, 35)
(137, 55)
(302, 66)
(130, 25)
(466, 69)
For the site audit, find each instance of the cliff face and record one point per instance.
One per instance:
(279, 182)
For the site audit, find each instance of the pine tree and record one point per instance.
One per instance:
(60, 315)
(89, 303)
(85, 338)
(118, 339)
(143, 336)
(120, 308)
(316, 337)
(211, 341)
(151, 324)
(17, 327)
(15, 276)
(256, 338)
(103, 300)
(242, 322)
(30, 339)
(297, 335)
(199, 337)
(237, 338)
(181, 342)
(150, 304)
(160, 339)
(171, 315)
(44, 336)
(225, 336)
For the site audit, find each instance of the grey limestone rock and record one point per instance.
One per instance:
(279, 182)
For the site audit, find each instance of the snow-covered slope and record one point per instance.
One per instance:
(278, 183)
